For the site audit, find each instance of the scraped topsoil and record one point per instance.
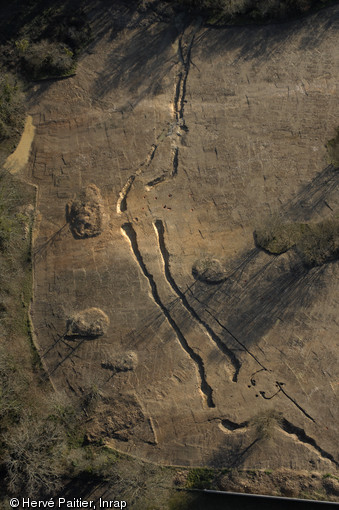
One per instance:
(154, 166)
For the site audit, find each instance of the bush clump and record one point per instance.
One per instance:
(315, 243)
(45, 60)
(265, 422)
(209, 270)
(33, 458)
(11, 107)
(320, 243)
(277, 237)
(200, 478)
(251, 9)
(91, 323)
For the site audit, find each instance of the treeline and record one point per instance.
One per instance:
(42, 39)
(255, 10)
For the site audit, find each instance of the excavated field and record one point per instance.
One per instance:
(171, 144)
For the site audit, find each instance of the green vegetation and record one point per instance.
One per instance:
(329, 475)
(11, 108)
(200, 478)
(36, 20)
(277, 237)
(44, 41)
(251, 10)
(14, 218)
(45, 60)
(265, 422)
(315, 243)
(320, 243)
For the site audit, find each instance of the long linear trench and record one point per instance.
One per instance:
(159, 228)
(206, 389)
(129, 232)
(172, 131)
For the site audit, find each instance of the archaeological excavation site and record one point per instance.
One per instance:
(181, 216)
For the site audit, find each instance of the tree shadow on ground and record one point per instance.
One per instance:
(255, 42)
(262, 288)
(139, 62)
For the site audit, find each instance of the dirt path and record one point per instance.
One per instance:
(19, 159)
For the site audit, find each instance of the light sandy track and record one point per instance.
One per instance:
(19, 158)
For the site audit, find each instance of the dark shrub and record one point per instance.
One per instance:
(45, 59)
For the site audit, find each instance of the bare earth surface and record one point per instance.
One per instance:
(192, 137)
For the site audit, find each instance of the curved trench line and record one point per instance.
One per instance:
(231, 426)
(159, 228)
(287, 427)
(278, 384)
(304, 438)
(122, 200)
(206, 389)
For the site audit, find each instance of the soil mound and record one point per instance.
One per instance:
(209, 270)
(85, 213)
(91, 322)
(123, 363)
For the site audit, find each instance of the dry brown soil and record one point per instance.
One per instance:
(194, 136)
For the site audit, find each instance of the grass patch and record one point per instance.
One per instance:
(11, 109)
(330, 475)
(200, 478)
(16, 216)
